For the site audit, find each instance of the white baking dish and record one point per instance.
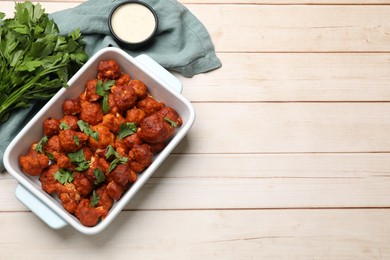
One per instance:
(161, 84)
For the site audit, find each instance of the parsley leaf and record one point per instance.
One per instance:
(95, 136)
(76, 140)
(35, 60)
(102, 89)
(115, 162)
(86, 128)
(40, 144)
(64, 126)
(126, 129)
(50, 155)
(82, 166)
(94, 200)
(105, 105)
(172, 123)
(111, 151)
(78, 158)
(63, 176)
(99, 175)
(99, 88)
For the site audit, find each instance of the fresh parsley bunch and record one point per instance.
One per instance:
(35, 61)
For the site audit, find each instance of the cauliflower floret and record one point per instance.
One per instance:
(33, 163)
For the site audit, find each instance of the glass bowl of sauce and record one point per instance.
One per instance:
(133, 24)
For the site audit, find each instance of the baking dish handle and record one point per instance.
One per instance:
(160, 72)
(39, 208)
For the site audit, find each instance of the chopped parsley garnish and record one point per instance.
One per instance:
(64, 126)
(40, 144)
(126, 129)
(76, 140)
(63, 176)
(118, 159)
(78, 159)
(111, 151)
(115, 162)
(82, 166)
(105, 105)
(172, 123)
(50, 155)
(95, 136)
(94, 200)
(86, 129)
(77, 156)
(102, 89)
(99, 175)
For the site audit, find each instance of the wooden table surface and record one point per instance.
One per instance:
(289, 157)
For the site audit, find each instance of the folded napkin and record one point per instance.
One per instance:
(182, 44)
(13, 125)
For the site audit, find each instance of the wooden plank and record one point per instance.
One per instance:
(302, 28)
(259, 193)
(293, 77)
(247, 193)
(277, 166)
(288, 128)
(257, 181)
(253, 234)
(310, 28)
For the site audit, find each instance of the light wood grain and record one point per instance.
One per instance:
(288, 157)
(292, 77)
(303, 28)
(288, 128)
(255, 193)
(252, 234)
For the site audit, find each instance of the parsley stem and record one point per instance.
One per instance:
(13, 98)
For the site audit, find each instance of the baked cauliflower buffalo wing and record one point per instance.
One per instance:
(91, 112)
(71, 107)
(106, 137)
(33, 163)
(51, 127)
(109, 69)
(88, 215)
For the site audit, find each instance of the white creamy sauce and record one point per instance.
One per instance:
(133, 22)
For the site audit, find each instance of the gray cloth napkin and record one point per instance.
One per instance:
(13, 125)
(182, 44)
